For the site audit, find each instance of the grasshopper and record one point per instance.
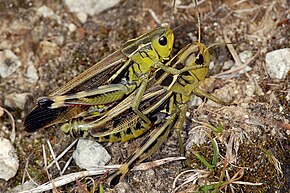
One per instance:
(195, 58)
(172, 92)
(179, 89)
(103, 110)
(106, 82)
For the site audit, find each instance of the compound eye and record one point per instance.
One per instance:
(199, 59)
(162, 41)
(44, 102)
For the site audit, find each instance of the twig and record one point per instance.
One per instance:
(66, 165)
(62, 153)
(154, 16)
(53, 156)
(237, 69)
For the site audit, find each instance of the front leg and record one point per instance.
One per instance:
(136, 102)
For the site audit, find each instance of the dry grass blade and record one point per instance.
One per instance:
(53, 156)
(62, 153)
(198, 174)
(65, 179)
(237, 69)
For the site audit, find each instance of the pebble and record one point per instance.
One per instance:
(45, 11)
(250, 89)
(31, 71)
(28, 185)
(195, 101)
(195, 137)
(9, 162)
(72, 27)
(90, 154)
(90, 7)
(278, 63)
(9, 63)
(228, 64)
(15, 100)
(245, 55)
(83, 17)
(48, 49)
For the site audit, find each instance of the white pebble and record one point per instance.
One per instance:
(90, 154)
(8, 160)
(9, 63)
(278, 63)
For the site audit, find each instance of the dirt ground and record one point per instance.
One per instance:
(254, 145)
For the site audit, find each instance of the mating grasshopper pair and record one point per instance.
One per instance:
(115, 100)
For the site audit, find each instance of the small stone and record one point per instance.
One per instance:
(8, 160)
(15, 100)
(195, 101)
(90, 154)
(288, 96)
(90, 7)
(82, 17)
(28, 185)
(245, 55)
(278, 63)
(9, 63)
(45, 11)
(228, 64)
(48, 49)
(59, 40)
(72, 27)
(250, 89)
(195, 137)
(31, 72)
(211, 65)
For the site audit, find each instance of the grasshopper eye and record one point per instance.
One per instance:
(162, 41)
(199, 59)
(44, 102)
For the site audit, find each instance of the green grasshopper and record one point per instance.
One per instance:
(171, 93)
(179, 89)
(108, 81)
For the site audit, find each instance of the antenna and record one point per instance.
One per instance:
(198, 21)
(172, 12)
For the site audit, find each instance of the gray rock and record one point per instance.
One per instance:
(245, 55)
(228, 64)
(195, 101)
(28, 185)
(8, 160)
(278, 63)
(9, 63)
(15, 100)
(90, 7)
(90, 154)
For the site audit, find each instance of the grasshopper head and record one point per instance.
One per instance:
(162, 39)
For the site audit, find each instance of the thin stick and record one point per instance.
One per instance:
(62, 153)
(53, 156)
